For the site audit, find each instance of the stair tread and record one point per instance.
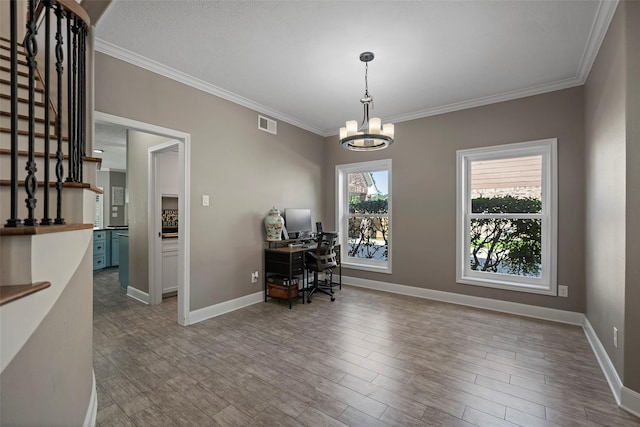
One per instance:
(8, 58)
(10, 293)
(51, 155)
(23, 100)
(8, 70)
(52, 137)
(8, 48)
(42, 229)
(22, 85)
(25, 117)
(7, 183)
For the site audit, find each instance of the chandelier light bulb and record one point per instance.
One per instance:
(374, 125)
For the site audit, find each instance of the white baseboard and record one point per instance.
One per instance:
(92, 409)
(561, 316)
(630, 401)
(138, 295)
(224, 307)
(609, 371)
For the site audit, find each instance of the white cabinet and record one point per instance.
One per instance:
(169, 265)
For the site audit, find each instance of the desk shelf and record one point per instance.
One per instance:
(287, 263)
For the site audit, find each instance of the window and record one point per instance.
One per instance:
(364, 215)
(507, 217)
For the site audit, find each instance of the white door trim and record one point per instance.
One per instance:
(184, 191)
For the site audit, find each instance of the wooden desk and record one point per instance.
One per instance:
(289, 262)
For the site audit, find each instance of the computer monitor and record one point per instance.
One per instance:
(298, 222)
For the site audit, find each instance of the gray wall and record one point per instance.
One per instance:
(632, 289)
(424, 190)
(244, 170)
(605, 118)
(49, 380)
(612, 108)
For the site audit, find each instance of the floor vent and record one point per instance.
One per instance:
(267, 125)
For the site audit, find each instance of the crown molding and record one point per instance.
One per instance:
(117, 52)
(603, 18)
(487, 100)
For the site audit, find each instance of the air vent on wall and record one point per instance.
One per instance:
(267, 125)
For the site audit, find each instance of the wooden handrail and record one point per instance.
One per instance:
(76, 9)
(70, 6)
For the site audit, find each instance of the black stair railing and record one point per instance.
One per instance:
(67, 13)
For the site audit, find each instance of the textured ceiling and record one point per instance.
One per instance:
(297, 61)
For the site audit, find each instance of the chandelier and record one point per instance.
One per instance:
(371, 135)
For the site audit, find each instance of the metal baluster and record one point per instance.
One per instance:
(59, 156)
(69, 106)
(30, 182)
(47, 54)
(74, 91)
(13, 220)
(81, 98)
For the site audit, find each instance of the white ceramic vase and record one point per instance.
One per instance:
(273, 223)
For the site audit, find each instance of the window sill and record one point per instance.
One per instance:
(364, 267)
(509, 286)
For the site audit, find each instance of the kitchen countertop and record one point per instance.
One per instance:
(115, 228)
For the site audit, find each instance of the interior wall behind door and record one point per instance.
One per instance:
(138, 145)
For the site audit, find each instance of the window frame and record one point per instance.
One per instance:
(547, 283)
(342, 214)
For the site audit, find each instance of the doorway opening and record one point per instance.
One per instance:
(147, 229)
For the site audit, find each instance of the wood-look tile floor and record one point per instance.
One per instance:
(367, 359)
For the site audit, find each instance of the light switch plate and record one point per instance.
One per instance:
(205, 200)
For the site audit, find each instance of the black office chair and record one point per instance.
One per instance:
(322, 260)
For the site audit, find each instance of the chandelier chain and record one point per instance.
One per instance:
(366, 79)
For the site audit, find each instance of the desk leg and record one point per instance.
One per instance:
(265, 285)
(340, 271)
(305, 279)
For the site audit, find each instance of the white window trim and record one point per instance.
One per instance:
(342, 192)
(547, 284)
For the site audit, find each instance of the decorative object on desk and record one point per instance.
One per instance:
(371, 135)
(273, 223)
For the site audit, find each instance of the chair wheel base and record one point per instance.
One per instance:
(332, 299)
(308, 301)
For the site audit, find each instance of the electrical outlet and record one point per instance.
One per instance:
(254, 277)
(563, 291)
(615, 337)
